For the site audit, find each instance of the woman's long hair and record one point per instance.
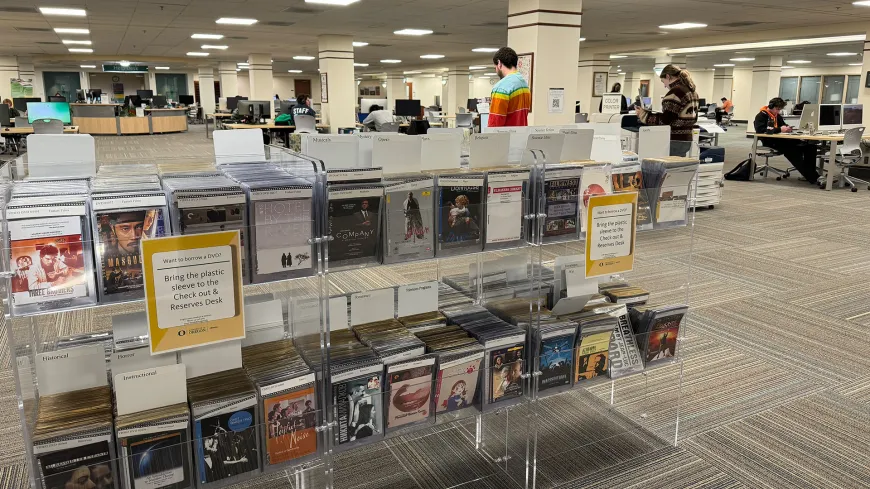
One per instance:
(683, 75)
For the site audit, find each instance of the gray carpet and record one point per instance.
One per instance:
(775, 380)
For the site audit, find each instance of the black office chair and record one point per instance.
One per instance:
(764, 169)
(418, 127)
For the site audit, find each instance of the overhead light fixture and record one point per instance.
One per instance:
(234, 21)
(71, 30)
(194, 53)
(161, 67)
(124, 63)
(360, 44)
(770, 44)
(484, 50)
(411, 72)
(683, 25)
(799, 61)
(742, 59)
(243, 63)
(81, 50)
(862, 3)
(69, 12)
(88, 66)
(294, 71)
(413, 32)
(617, 56)
(207, 36)
(490, 74)
(303, 58)
(69, 41)
(362, 65)
(246, 67)
(856, 64)
(342, 3)
(788, 67)
(478, 67)
(487, 77)
(724, 65)
(582, 39)
(212, 46)
(619, 71)
(842, 54)
(432, 56)
(391, 61)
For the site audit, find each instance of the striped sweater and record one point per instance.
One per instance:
(511, 102)
(679, 110)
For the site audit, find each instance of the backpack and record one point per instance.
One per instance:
(742, 172)
(283, 120)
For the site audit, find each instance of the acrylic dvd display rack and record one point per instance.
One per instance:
(421, 357)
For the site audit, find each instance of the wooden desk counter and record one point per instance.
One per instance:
(270, 126)
(13, 131)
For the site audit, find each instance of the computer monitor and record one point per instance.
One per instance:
(48, 110)
(408, 108)
(287, 106)
(472, 105)
(853, 116)
(145, 93)
(95, 92)
(702, 102)
(261, 108)
(186, 99)
(20, 104)
(4, 115)
(233, 102)
(810, 115)
(158, 101)
(56, 98)
(80, 95)
(829, 117)
(647, 101)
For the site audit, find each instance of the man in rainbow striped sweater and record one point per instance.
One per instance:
(511, 97)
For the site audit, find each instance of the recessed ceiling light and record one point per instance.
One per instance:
(303, 58)
(294, 71)
(742, 59)
(788, 67)
(484, 50)
(862, 3)
(411, 72)
(432, 56)
(69, 41)
(212, 46)
(617, 56)
(490, 74)
(124, 63)
(683, 25)
(484, 76)
(243, 63)
(234, 21)
(207, 36)
(88, 66)
(413, 32)
(839, 54)
(856, 64)
(359, 44)
(478, 67)
(161, 67)
(238, 69)
(724, 65)
(71, 30)
(70, 12)
(342, 3)
(81, 50)
(361, 64)
(194, 53)
(582, 39)
(391, 61)
(246, 67)
(799, 61)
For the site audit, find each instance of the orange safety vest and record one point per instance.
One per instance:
(772, 116)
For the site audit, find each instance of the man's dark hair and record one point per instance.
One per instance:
(302, 98)
(374, 108)
(776, 103)
(724, 99)
(49, 250)
(507, 56)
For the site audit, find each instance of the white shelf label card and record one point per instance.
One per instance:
(418, 298)
(139, 359)
(141, 390)
(71, 369)
(338, 313)
(372, 306)
(209, 359)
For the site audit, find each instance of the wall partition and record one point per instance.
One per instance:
(171, 85)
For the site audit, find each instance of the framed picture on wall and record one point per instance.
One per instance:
(599, 83)
(526, 67)
(324, 89)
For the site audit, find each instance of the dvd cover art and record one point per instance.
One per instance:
(120, 233)
(593, 355)
(226, 445)
(555, 362)
(595, 181)
(353, 223)
(504, 211)
(87, 466)
(410, 396)
(459, 216)
(506, 370)
(662, 343)
(291, 422)
(158, 460)
(214, 216)
(359, 408)
(563, 197)
(633, 182)
(283, 228)
(409, 224)
(46, 259)
(456, 386)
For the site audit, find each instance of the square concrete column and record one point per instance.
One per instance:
(766, 74)
(206, 90)
(260, 75)
(457, 90)
(864, 91)
(631, 85)
(336, 69)
(549, 31)
(723, 82)
(396, 89)
(587, 66)
(229, 79)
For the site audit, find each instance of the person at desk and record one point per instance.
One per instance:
(638, 103)
(720, 111)
(679, 109)
(303, 106)
(800, 154)
(623, 107)
(377, 118)
(13, 112)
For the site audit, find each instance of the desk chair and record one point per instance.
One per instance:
(465, 120)
(851, 154)
(766, 167)
(305, 124)
(727, 116)
(48, 126)
(22, 122)
(581, 118)
(389, 127)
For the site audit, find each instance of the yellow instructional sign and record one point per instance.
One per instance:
(193, 290)
(610, 234)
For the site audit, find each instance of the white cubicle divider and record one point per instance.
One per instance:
(549, 143)
(606, 148)
(364, 160)
(336, 150)
(578, 144)
(518, 140)
(396, 153)
(239, 146)
(654, 142)
(62, 155)
(490, 149)
(601, 129)
(441, 150)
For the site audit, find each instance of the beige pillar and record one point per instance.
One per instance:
(723, 82)
(206, 90)
(229, 79)
(766, 73)
(260, 74)
(457, 89)
(549, 30)
(336, 66)
(85, 80)
(395, 89)
(864, 91)
(632, 85)
(587, 66)
(657, 89)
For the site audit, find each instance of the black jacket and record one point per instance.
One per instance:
(765, 125)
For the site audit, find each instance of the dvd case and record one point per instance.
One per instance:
(357, 399)
(460, 212)
(628, 177)
(354, 216)
(507, 201)
(561, 202)
(409, 392)
(154, 448)
(456, 385)
(409, 218)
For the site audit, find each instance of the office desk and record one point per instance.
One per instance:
(95, 118)
(832, 139)
(167, 120)
(17, 132)
(271, 127)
